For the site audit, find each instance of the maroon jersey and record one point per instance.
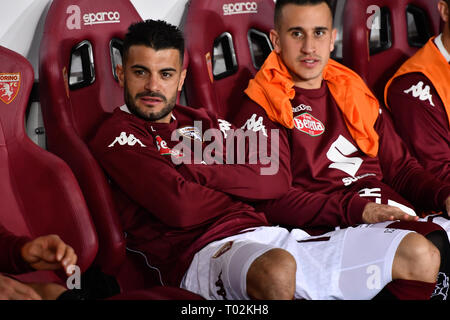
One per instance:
(170, 211)
(421, 121)
(11, 260)
(332, 179)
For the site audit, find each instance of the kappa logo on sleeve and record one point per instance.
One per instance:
(124, 139)
(421, 92)
(191, 133)
(255, 125)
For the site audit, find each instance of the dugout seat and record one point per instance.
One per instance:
(80, 47)
(379, 35)
(38, 191)
(227, 41)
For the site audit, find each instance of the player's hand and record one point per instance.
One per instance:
(49, 253)
(374, 213)
(11, 289)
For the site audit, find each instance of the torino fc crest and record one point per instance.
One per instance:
(9, 86)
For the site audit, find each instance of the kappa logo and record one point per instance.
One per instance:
(9, 86)
(191, 133)
(255, 125)
(306, 123)
(418, 91)
(73, 21)
(123, 139)
(239, 8)
(226, 247)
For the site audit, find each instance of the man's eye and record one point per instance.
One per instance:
(166, 74)
(297, 34)
(320, 33)
(139, 72)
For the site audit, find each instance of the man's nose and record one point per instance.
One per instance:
(308, 45)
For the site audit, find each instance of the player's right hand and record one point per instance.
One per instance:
(11, 289)
(374, 213)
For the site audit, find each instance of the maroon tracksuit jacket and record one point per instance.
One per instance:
(422, 122)
(332, 179)
(169, 211)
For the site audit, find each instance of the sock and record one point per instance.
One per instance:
(411, 289)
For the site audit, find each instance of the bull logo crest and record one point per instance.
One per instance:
(9, 86)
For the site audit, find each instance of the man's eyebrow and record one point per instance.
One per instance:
(138, 66)
(298, 28)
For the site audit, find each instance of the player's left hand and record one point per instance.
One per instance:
(49, 253)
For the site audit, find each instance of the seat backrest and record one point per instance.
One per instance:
(227, 42)
(81, 45)
(39, 193)
(379, 35)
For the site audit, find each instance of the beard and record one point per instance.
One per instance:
(154, 116)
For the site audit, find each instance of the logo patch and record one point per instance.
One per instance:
(421, 92)
(73, 21)
(191, 133)
(9, 86)
(164, 149)
(255, 125)
(239, 8)
(227, 246)
(306, 123)
(301, 108)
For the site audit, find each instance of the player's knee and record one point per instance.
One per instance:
(417, 259)
(272, 276)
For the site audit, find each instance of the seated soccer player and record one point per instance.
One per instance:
(186, 215)
(346, 165)
(22, 255)
(419, 98)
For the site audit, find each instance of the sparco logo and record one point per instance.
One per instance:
(74, 19)
(240, 8)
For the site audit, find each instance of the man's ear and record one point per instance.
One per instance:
(333, 39)
(443, 10)
(275, 39)
(182, 78)
(119, 72)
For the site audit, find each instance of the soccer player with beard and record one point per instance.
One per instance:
(189, 220)
(346, 164)
(419, 98)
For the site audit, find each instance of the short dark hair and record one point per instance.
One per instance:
(155, 34)
(281, 3)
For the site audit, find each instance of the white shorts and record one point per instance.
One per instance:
(351, 264)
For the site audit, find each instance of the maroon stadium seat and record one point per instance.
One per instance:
(81, 45)
(377, 58)
(239, 31)
(38, 191)
(77, 88)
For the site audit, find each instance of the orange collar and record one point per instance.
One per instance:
(273, 89)
(430, 62)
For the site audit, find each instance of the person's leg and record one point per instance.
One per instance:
(250, 265)
(272, 276)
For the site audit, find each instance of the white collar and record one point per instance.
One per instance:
(124, 108)
(440, 45)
